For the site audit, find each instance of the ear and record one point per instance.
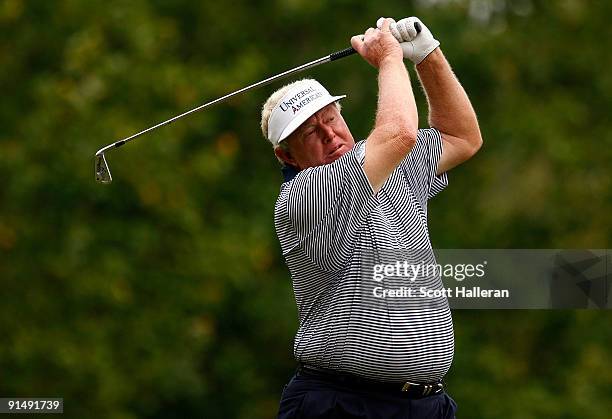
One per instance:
(285, 156)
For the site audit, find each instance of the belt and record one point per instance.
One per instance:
(406, 389)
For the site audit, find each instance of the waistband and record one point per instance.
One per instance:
(407, 389)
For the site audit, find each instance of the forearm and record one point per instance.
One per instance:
(396, 108)
(450, 110)
(396, 124)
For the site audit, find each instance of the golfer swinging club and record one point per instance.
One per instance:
(343, 200)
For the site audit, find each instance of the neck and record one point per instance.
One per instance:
(289, 172)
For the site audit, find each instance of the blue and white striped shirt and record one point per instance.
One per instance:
(330, 225)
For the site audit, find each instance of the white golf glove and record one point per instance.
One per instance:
(415, 45)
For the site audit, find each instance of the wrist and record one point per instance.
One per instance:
(390, 61)
(431, 59)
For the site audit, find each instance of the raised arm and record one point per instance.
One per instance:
(396, 124)
(450, 111)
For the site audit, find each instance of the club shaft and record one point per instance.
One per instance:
(302, 67)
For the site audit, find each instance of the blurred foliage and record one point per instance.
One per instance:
(164, 295)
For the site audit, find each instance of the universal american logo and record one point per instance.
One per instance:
(300, 99)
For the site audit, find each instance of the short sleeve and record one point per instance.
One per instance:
(323, 209)
(421, 164)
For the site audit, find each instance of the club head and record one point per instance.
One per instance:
(103, 174)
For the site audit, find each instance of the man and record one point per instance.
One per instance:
(342, 206)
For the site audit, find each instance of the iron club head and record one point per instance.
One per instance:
(103, 174)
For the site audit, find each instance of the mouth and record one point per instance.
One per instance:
(335, 154)
(335, 150)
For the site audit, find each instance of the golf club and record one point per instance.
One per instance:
(103, 174)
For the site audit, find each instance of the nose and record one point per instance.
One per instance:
(328, 133)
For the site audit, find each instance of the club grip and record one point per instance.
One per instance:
(341, 54)
(350, 51)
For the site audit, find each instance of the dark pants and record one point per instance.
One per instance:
(307, 397)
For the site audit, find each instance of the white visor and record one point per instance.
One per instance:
(302, 101)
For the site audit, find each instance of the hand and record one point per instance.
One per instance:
(377, 45)
(416, 45)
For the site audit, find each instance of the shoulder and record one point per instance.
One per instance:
(429, 138)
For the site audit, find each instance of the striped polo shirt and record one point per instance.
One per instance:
(332, 228)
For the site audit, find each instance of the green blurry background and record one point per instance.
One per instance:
(164, 295)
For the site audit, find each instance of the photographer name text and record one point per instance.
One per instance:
(424, 292)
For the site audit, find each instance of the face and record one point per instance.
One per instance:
(321, 139)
